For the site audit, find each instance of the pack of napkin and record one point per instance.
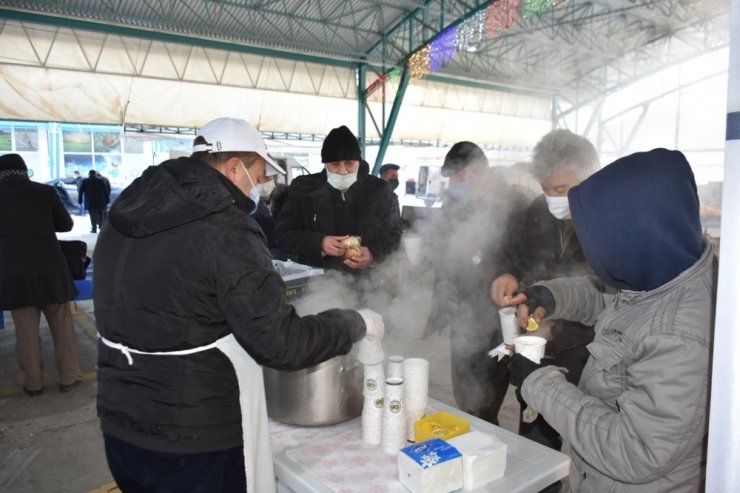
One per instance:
(483, 458)
(433, 466)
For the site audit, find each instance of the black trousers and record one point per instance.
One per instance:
(96, 218)
(137, 470)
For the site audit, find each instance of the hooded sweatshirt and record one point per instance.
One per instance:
(627, 248)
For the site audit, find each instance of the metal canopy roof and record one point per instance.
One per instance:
(574, 49)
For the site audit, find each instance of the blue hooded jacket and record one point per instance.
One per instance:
(637, 219)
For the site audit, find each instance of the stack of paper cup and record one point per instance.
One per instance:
(395, 367)
(531, 347)
(372, 408)
(509, 324)
(416, 389)
(394, 417)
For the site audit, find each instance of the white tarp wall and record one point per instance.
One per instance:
(723, 474)
(49, 73)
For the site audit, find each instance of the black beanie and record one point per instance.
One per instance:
(12, 162)
(462, 155)
(340, 145)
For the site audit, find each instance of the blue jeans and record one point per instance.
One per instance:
(138, 470)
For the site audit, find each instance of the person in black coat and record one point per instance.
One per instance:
(465, 245)
(322, 209)
(96, 194)
(34, 274)
(187, 304)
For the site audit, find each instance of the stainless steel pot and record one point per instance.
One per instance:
(325, 394)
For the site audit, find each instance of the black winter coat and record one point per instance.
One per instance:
(180, 264)
(95, 192)
(33, 270)
(547, 248)
(314, 209)
(466, 242)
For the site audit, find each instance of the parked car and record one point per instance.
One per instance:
(67, 190)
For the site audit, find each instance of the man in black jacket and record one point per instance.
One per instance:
(94, 193)
(321, 210)
(465, 243)
(188, 307)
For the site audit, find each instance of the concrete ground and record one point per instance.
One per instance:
(52, 443)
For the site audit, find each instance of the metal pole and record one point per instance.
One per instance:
(388, 130)
(361, 100)
(723, 474)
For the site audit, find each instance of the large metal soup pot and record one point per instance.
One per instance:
(325, 394)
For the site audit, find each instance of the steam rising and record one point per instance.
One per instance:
(401, 287)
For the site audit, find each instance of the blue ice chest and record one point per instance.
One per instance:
(433, 466)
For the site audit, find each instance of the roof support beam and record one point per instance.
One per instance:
(170, 38)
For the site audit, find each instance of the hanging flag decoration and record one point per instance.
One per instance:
(500, 16)
(467, 36)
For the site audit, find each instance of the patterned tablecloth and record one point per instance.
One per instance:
(340, 459)
(335, 459)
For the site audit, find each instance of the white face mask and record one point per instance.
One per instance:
(341, 182)
(265, 189)
(558, 206)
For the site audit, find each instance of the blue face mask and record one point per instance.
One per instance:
(459, 191)
(254, 192)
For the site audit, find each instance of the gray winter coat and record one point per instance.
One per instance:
(638, 419)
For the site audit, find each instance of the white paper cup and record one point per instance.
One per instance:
(531, 347)
(509, 324)
(393, 434)
(374, 381)
(370, 352)
(372, 420)
(395, 367)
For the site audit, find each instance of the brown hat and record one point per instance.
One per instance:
(12, 162)
(462, 155)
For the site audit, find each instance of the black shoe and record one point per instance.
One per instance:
(33, 393)
(93, 231)
(67, 388)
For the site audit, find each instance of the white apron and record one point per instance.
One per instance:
(255, 432)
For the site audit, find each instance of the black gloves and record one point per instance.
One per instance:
(520, 368)
(539, 296)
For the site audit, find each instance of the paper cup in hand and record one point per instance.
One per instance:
(370, 352)
(509, 324)
(531, 347)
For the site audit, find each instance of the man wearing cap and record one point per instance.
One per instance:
(189, 309)
(465, 242)
(323, 209)
(389, 174)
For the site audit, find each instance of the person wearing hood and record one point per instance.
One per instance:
(637, 421)
(344, 200)
(465, 243)
(545, 248)
(34, 276)
(189, 308)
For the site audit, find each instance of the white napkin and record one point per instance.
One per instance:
(499, 351)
